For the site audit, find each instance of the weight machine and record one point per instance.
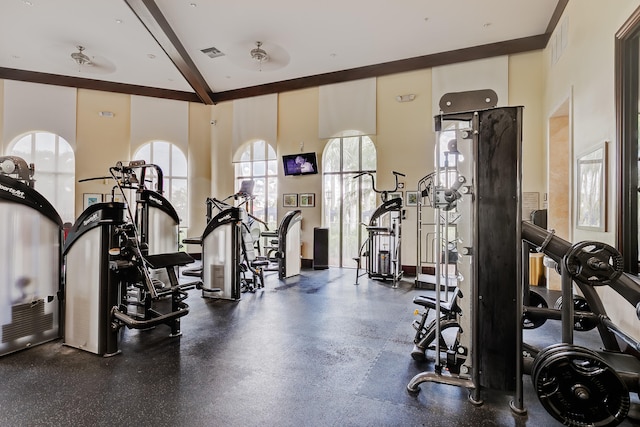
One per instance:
(157, 221)
(228, 250)
(427, 246)
(475, 191)
(283, 246)
(382, 247)
(108, 280)
(477, 334)
(31, 250)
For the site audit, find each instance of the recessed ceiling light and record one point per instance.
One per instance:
(118, 21)
(193, 5)
(151, 56)
(27, 2)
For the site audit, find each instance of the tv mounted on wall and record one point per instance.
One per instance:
(300, 164)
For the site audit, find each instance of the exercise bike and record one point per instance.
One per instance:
(382, 245)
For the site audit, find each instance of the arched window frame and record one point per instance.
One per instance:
(174, 165)
(257, 161)
(54, 170)
(364, 200)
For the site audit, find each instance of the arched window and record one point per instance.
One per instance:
(258, 162)
(173, 163)
(348, 202)
(55, 168)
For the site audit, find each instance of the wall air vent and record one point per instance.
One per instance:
(212, 52)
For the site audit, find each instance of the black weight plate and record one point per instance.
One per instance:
(581, 324)
(530, 320)
(578, 388)
(594, 263)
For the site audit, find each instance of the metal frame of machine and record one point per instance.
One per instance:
(31, 251)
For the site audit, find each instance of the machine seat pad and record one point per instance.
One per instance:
(168, 260)
(430, 302)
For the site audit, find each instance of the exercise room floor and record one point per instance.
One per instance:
(313, 350)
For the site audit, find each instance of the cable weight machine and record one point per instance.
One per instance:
(382, 247)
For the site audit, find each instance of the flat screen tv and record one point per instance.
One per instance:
(300, 164)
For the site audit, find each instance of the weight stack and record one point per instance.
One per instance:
(498, 243)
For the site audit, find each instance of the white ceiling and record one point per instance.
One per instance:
(303, 38)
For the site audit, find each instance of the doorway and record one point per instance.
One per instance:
(559, 180)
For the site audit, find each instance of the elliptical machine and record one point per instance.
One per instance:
(382, 245)
(30, 251)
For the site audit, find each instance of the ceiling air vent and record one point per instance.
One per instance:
(212, 52)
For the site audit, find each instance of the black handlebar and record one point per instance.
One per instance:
(373, 181)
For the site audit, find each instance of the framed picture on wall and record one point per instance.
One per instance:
(412, 198)
(591, 197)
(91, 199)
(290, 200)
(307, 200)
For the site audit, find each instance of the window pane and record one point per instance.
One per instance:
(259, 150)
(160, 156)
(143, 153)
(57, 188)
(173, 164)
(259, 168)
(45, 152)
(331, 159)
(271, 153)
(368, 154)
(65, 203)
(178, 162)
(179, 198)
(331, 202)
(272, 167)
(66, 161)
(22, 148)
(351, 154)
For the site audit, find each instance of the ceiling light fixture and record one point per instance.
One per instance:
(259, 55)
(80, 58)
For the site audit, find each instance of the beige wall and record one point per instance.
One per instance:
(405, 142)
(298, 125)
(585, 74)
(101, 141)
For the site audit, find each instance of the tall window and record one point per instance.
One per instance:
(55, 168)
(173, 163)
(348, 202)
(258, 162)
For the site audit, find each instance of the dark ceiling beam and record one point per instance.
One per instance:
(154, 21)
(555, 17)
(509, 47)
(81, 83)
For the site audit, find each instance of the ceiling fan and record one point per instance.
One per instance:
(261, 56)
(80, 58)
(91, 64)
